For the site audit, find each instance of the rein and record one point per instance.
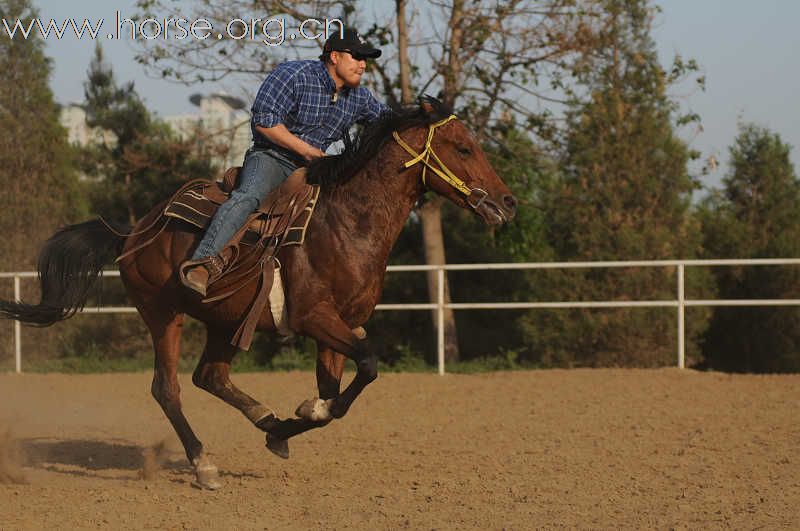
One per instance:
(442, 171)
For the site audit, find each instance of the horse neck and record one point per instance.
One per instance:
(373, 205)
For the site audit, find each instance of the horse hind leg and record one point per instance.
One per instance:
(213, 375)
(166, 333)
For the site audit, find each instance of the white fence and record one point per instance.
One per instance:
(680, 302)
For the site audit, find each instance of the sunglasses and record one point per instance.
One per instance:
(355, 55)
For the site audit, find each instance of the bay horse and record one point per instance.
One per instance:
(332, 282)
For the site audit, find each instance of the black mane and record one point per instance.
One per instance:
(336, 169)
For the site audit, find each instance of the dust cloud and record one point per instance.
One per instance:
(11, 458)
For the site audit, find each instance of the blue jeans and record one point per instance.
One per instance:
(262, 171)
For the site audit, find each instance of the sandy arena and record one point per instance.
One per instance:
(581, 448)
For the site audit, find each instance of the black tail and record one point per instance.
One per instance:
(69, 265)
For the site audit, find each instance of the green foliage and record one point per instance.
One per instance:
(755, 216)
(506, 360)
(407, 361)
(113, 108)
(624, 195)
(39, 189)
(38, 186)
(526, 170)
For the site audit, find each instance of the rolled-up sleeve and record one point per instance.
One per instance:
(275, 98)
(372, 109)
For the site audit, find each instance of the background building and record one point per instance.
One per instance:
(73, 119)
(222, 120)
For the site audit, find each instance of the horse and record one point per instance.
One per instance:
(332, 282)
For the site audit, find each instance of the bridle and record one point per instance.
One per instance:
(442, 171)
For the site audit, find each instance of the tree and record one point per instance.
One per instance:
(38, 186)
(39, 189)
(624, 195)
(141, 161)
(755, 216)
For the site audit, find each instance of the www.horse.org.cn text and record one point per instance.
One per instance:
(269, 31)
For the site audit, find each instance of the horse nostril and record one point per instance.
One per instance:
(510, 202)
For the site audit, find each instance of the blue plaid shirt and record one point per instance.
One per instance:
(298, 95)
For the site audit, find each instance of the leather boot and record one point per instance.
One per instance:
(197, 279)
(198, 274)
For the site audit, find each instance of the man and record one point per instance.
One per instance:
(301, 108)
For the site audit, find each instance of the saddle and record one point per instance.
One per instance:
(281, 220)
(277, 215)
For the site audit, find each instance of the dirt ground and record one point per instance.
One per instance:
(580, 448)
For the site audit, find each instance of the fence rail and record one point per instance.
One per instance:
(680, 302)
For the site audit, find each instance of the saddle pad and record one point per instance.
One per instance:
(197, 205)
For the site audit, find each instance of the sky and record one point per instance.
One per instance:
(748, 51)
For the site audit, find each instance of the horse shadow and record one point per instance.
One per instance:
(91, 457)
(94, 458)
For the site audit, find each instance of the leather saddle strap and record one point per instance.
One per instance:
(148, 242)
(244, 334)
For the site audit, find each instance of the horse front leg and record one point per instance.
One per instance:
(366, 373)
(329, 330)
(336, 341)
(335, 406)
(330, 366)
(314, 413)
(318, 412)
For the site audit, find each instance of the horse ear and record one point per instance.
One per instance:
(425, 103)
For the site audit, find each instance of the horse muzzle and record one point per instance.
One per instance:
(492, 211)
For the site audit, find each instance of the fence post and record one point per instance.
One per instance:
(440, 318)
(681, 318)
(17, 330)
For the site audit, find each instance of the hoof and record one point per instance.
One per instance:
(267, 423)
(315, 410)
(206, 478)
(338, 410)
(279, 447)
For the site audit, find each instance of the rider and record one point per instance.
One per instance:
(301, 108)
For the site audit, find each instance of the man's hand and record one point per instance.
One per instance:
(312, 153)
(281, 136)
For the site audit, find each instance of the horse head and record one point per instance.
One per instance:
(455, 166)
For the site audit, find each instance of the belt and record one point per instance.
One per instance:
(275, 149)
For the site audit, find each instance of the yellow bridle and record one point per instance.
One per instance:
(443, 171)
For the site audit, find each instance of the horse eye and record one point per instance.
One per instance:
(464, 151)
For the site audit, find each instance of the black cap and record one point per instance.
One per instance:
(350, 41)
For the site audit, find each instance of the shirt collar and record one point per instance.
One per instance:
(327, 80)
